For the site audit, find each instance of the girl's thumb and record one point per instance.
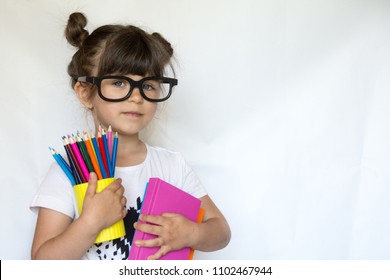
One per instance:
(92, 184)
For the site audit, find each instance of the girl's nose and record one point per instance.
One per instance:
(136, 96)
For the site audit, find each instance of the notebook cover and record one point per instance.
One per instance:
(161, 197)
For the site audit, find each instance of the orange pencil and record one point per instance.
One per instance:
(93, 156)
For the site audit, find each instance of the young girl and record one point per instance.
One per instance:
(114, 74)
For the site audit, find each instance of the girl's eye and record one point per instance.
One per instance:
(119, 83)
(147, 87)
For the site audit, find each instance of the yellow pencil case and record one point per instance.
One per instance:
(116, 230)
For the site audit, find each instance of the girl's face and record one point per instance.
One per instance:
(127, 117)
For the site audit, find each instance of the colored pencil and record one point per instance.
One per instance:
(114, 151)
(99, 157)
(64, 166)
(63, 161)
(86, 154)
(91, 152)
(105, 144)
(84, 171)
(73, 162)
(103, 153)
(109, 139)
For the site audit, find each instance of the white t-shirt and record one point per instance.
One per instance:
(56, 193)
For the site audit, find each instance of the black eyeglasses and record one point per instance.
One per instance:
(119, 88)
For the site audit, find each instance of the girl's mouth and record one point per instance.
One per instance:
(132, 114)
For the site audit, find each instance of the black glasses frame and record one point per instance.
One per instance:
(133, 84)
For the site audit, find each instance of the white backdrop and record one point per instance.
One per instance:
(282, 108)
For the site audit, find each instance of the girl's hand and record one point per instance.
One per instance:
(101, 210)
(173, 232)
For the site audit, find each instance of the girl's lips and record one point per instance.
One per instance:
(132, 114)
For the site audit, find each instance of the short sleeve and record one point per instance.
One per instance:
(191, 181)
(55, 192)
(173, 168)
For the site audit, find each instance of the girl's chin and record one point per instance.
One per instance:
(132, 131)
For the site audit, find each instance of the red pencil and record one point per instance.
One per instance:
(103, 153)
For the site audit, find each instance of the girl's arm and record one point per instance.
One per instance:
(175, 231)
(57, 236)
(214, 233)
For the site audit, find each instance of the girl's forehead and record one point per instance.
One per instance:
(130, 67)
(135, 56)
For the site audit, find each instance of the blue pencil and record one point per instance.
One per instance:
(99, 157)
(107, 154)
(64, 165)
(114, 151)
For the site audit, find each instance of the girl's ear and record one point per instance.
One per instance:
(84, 94)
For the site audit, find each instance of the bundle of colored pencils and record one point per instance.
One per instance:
(88, 153)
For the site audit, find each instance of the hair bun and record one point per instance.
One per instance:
(165, 43)
(74, 31)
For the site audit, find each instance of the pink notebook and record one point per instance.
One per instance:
(161, 197)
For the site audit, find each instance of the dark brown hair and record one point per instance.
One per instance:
(115, 49)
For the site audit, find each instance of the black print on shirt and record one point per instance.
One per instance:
(130, 219)
(119, 248)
